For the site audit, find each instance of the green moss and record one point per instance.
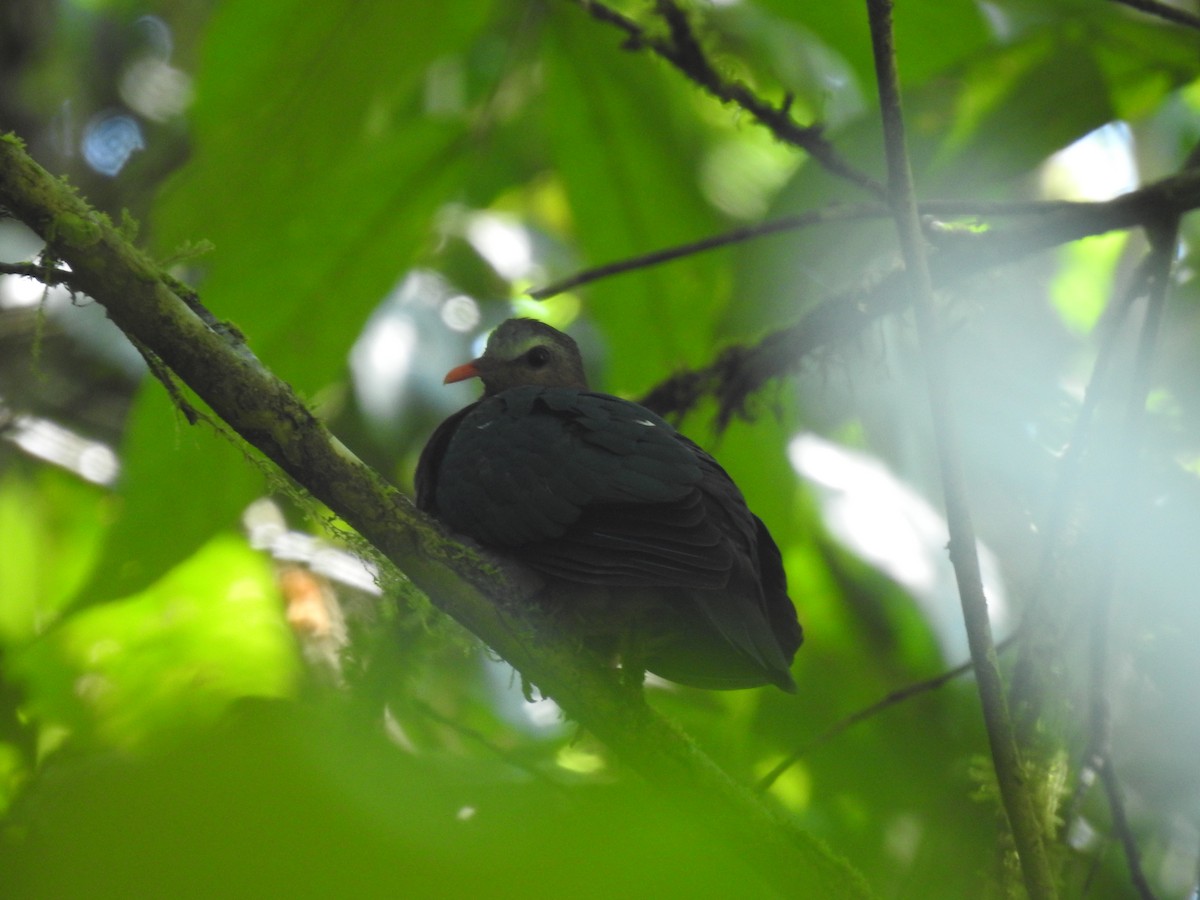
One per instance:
(129, 226)
(74, 230)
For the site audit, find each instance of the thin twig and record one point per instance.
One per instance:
(163, 374)
(683, 51)
(835, 213)
(1116, 803)
(1015, 794)
(899, 695)
(49, 275)
(1055, 222)
(478, 737)
(1163, 11)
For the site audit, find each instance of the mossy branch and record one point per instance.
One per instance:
(476, 591)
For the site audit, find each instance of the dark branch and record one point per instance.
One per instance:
(683, 52)
(743, 369)
(837, 212)
(1014, 791)
(897, 696)
(1083, 219)
(1042, 621)
(1163, 11)
(48, 275)
(1122, 476)
(1116, 803)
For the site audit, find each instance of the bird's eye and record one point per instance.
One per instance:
(538, 357)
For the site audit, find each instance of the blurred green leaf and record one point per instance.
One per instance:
(843, 27)
(315, 173)
(169, 659)
(52, 525)
(287, 802)
(180, 485)
(627, 148)
(1081, 290)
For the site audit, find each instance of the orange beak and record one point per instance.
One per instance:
(462, 373)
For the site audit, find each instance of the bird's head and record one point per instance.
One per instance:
(524, 352)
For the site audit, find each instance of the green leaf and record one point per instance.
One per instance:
(317, 168)
(52, 525)
(179, 486)
(843, 28)
(625, 144)
(168, 659)
(1018, 105)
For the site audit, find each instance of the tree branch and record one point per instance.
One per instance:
(1017, 800)
(1116, 803)
(1042, 622)
(835, 213)
(684, 52)
(1163, 11)
(46, 274)
(1055, 222)
(471, 588)
(899, 695)
(742, 369)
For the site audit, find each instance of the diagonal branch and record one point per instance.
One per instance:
(1116, 803)
(1163, 11)
(845, 724)
(683, 51)
(47, 274)
(1053, 222)
(471, 588)
(834, 213)
(1014, 792)
(743, 369)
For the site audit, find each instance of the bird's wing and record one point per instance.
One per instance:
(429, 465)
(594, 488)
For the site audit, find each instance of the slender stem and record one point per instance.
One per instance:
(1116, 803)
(1080, 218)
(834, 213)
(1018, 803)
(899, 695)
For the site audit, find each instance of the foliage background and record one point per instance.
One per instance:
(391, 178)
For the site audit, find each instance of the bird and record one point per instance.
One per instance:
(635, 534)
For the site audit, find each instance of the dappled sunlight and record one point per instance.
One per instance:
(1098, 166)
(47, 440)
(505, 243)
(891, 526)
